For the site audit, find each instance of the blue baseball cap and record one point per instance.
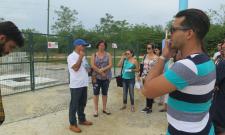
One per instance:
(80, 42)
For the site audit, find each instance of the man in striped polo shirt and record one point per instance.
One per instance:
(189, 81)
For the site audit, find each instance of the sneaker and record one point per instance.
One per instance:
(149, 111)
(145, 110)
(75, 128)
(86, 123)
(162, 110)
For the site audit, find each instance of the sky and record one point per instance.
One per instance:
(33, 13)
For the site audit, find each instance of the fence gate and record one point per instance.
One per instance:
(39, 64)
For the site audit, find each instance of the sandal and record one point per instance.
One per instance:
(95, 114)
(105, 112)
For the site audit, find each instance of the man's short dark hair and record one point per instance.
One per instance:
(10, 30)
(197, 20)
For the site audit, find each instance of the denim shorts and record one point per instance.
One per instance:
(101, 84)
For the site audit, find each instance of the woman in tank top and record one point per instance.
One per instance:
(101, 62)
(130, 66)
(150, 59)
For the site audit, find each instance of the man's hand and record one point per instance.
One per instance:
(167, 51)
(82, 54)
(76, 66)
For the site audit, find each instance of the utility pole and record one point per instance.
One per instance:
(47, 30)
(48, 18)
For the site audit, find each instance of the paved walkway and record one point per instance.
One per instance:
(45, 112)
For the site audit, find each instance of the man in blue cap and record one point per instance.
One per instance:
(78, 69)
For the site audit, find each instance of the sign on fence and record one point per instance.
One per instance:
(114, 45)
(52, 44)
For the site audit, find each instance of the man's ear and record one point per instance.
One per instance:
(190, 33)
(2, 39)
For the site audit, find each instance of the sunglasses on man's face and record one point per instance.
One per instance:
(174, 29)
(149, 48)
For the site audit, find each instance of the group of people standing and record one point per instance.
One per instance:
(101, 64)
(184, 72)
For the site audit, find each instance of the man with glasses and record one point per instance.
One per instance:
(10, 38)
(189, 81)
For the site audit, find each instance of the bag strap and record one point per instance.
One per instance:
(144, 57)
(122, 68)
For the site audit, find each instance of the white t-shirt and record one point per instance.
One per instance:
(215, 55)
(78, 78)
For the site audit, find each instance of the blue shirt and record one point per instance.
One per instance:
(127, 72)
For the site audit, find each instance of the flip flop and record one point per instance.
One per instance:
(105, 112)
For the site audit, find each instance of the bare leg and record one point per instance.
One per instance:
(95, 98)
(104, 102)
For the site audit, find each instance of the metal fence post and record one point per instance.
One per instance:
(138, 51)
(32, 74)
(70, 39)
(114, 61)
(47, 50)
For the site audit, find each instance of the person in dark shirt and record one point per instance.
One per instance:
(218, 104)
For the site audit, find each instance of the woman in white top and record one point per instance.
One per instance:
(150, 59)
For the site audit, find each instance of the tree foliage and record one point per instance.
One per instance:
(66, 21)
(126, 35)
(217, 29)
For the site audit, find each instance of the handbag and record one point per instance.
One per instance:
(142, 66)
(119, 79)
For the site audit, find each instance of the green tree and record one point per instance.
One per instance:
(217, 16)
(2, 19)
(66, 22)
(217, 29)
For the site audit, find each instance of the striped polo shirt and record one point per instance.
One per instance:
(188, 106)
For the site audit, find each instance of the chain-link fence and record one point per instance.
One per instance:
(42, 62)
(39, 64)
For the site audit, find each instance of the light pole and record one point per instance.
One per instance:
(48, 18)
(47, 29)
